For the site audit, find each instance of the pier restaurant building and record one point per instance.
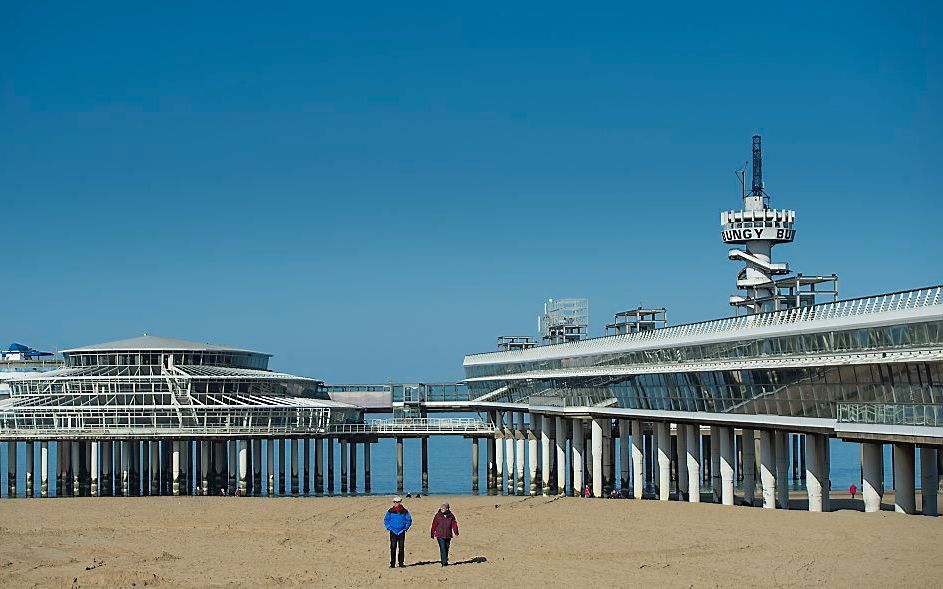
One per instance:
(174, 397)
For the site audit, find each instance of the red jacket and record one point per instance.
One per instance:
(444, 525)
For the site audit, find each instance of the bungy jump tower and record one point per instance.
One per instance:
(766, 284)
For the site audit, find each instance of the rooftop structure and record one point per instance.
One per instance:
(637, 320)
(564, 320)
(18, 359)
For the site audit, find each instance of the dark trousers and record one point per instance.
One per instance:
(397, 540)
(444, 549)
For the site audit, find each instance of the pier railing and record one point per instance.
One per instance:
(456, 425)
(920, 414)
(163, 422)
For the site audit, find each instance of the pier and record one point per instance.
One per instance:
(691, 412)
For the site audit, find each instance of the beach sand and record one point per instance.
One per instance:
(504, 542)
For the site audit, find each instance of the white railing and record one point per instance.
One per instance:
(419, 425)
(919, 414)
(898, 301)
(128, 422)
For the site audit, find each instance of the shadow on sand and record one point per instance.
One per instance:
(476, 560)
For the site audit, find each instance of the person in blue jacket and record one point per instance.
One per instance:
(397, 521)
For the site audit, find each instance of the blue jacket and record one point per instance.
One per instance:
(397, 521)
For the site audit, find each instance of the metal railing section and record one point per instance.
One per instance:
(919, 414)
(109, 421)
(425, 424)
(897, 301)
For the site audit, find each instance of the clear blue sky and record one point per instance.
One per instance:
(371, 190)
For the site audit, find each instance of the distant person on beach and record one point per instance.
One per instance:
(397, 521)
(444, 527)
(587, 493)
(853, 489)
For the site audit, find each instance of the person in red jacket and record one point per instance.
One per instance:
(444, 527)
(853, 489)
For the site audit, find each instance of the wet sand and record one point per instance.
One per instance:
(504, 542)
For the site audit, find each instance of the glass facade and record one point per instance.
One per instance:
(813, 391)
(156, 358)
(869, 339)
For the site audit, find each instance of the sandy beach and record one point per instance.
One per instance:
(505, 541)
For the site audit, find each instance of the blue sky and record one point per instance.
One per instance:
(369, 191)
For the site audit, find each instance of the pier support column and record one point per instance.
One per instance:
(424, 445)
(107, 478)
(815, 471)
(872, 474)
(232, 454)
(624, 434)
(293, 443)
(768, 468)
(748, 445)
(399, 465)
(781, 439)
(509, 452)
(560, 435)
(243, 466)
(11, 469)
(638, 461)
(664, 460)
(282, 466)
(93, 467)
(499, 448)
(306, 466)
(491, 467)
(519, 458)
(596, 426)
(532, 458)
(727, 462)
(607, 465)
(929, 480)
(330, 467)
(367, 485)
(175, 467)
(546, 454)
(31, 468)
(44, 468)
(577, 445)
(904, 495)
(681, 435)
(343, 443)
(257, 466)
(353, 466)
(318, 466)
(77, 468)
(716, 475)
(474, 465)
(154, 450)
(60, 468)
(270, 465)
(693, 458)
(205, 460)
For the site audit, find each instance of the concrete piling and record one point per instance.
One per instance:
(929, 480)
(904, 495)
(560, 436)
(693, 448)
(474, 465)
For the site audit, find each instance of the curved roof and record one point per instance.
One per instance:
(153, 342)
